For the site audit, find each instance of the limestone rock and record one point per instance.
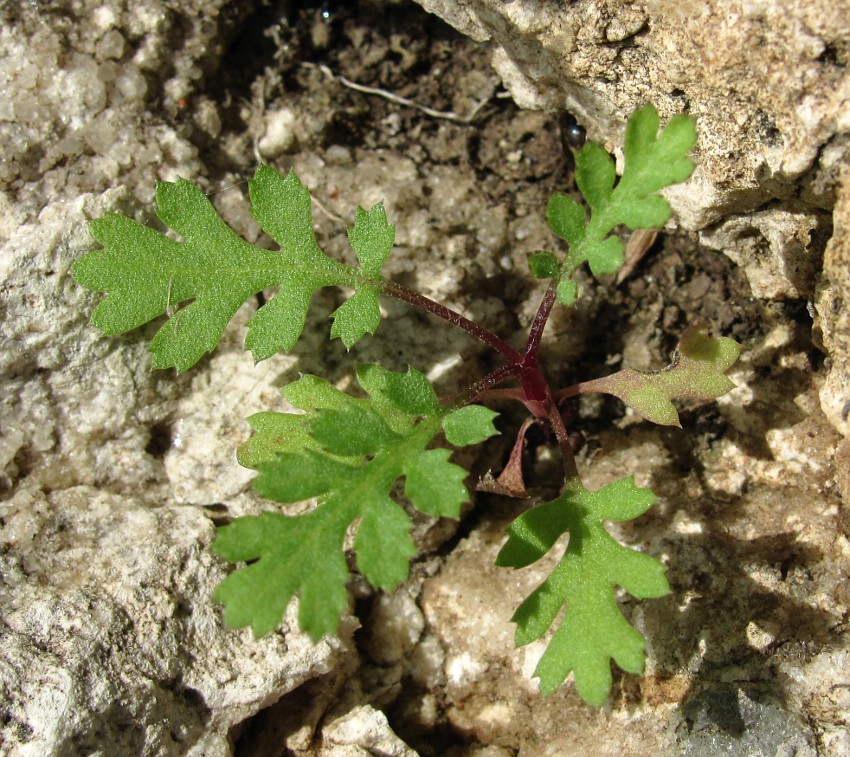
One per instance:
(110, 637)
(362, 731)
(75, 89)
(767, 85)
(833, 307)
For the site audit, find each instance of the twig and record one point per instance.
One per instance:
(638, 245)
(399, 100)
(329, 213)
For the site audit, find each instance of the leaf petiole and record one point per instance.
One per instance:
(426, 304)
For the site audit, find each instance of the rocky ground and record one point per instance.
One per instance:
(114, 477)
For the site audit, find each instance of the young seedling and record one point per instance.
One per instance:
(349, 453)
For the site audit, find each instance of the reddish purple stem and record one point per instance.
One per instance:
(428, 305)
(534, 392)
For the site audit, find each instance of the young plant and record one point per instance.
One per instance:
(350, 453)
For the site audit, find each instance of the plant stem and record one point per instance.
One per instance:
(539, 323)
(533, 381)
(583, 387)
(534, 393)
(569, 459)
(492, 379)
(537, 389)
(400, 292)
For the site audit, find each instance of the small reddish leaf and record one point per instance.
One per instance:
(510, 482)
(697, 372)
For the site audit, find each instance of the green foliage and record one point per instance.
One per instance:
(348, 453)
(697, 372)
(544, 265)
(593, 630)
(651, 164)
(147, 274)
(352, 453)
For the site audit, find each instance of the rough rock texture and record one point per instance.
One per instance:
(112, 477)
(110, 641)
(833, 307)
(109, 636)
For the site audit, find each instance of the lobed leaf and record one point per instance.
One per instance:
(290, 555)
(606, 257)
(592, 631)
(652, 161)
(314, 393)
(352, 452)
(435, 485)
(274, 434)
(353, 430)
(472, 424)
(283, 208)
(697, 372)
(372, 239)
(307, 474)
(399, 397)
(384, 545)
(201, 281)
(277, 433)
(357, 316)
(410, 392)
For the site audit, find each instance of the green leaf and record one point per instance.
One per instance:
(566, 217)
(652, 161)
(357, 316)
(308, 474)
(649, 212)
(353, 430)
(657, 162)
(469, 425)
(566, 292)
(697, 372)
(607, 256)
(533, 534)
(383, 545)
(352, 454)
(283, 208)
(595, 175)
(400, 396)
(201, 281)
(372, 239)
(290, 555)
(435, 484)
(278, 324)
(544, 265)
(274, 434)
(592, 631)
(314, 393)
(410, 392)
